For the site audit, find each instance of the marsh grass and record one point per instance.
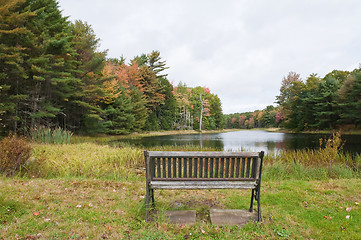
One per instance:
(91, 160)
(326, 162)
(88, 160)
(49, 135)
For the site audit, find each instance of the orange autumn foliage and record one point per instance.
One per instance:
(120, 75)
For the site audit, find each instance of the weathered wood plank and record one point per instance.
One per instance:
(232, 168)
(203, 179)
(201, 162)
(190, 167)
(237, 166)
(248, 167)
(202, 154)
(174, 168)
(254, 165)
(152, 168)
(211, 160)
(169, 167)
(195, 167)
(163, 167)
(158, 166)
(185, 160)
(147, 161)
(179, 167)
(221, 171)
(226, 175)
(216, 168)
(202, 185)
(206, 167)
(243, 166)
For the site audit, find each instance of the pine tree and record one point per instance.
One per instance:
(51, 63)
(138, 109)
(326, 112)
(13, 38)
(89, 90)
(119, 114)
(167, 111)
(349, 100)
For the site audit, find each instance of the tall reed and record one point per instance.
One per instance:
(48, 135)
(326, 162)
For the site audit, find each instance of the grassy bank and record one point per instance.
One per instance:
(109, 138)
(87, 190)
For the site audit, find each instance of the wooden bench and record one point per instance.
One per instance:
(203, 170)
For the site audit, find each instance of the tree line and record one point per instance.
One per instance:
(267, 118)
(331, 102)
(52, 74)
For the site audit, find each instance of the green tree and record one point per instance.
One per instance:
(14, 38)
(289, 100)
(349, 99)
(326, 115)
(339, 75)
(138, 109)
(82, 111)
(156, 64)
(119, 114)
(269, 117)
(51, 63)
(216, 114)
(167, 111)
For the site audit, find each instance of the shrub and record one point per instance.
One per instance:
(15, 151)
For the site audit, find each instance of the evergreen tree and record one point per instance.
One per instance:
(349, 99)
(138, 109)
(326, 112)
(216, 112)
(82, 109)
(119, 114)
(155, 63)
(51, 63)
(289, 100)
(167, 111)
(14, 37)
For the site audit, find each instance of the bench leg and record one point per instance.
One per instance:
(152, 194)
(258, 194)
(147, 203)
(252, 197)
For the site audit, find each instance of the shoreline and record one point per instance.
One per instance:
(107, 138)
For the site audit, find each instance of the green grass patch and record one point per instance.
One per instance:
(79, 209)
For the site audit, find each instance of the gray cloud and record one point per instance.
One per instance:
(239, 49)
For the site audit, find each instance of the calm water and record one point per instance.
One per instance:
(250, 140)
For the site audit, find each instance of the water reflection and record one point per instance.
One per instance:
(250, 140)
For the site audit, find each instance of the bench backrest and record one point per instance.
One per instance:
(188, 166)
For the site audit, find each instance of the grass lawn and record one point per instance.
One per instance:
(75, 208)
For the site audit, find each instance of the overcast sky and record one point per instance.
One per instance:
(240, 49)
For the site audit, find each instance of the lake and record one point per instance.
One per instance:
(250, 140)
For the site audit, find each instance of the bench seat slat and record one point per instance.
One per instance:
(201, 154)
(204, 179)
(203, 184)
